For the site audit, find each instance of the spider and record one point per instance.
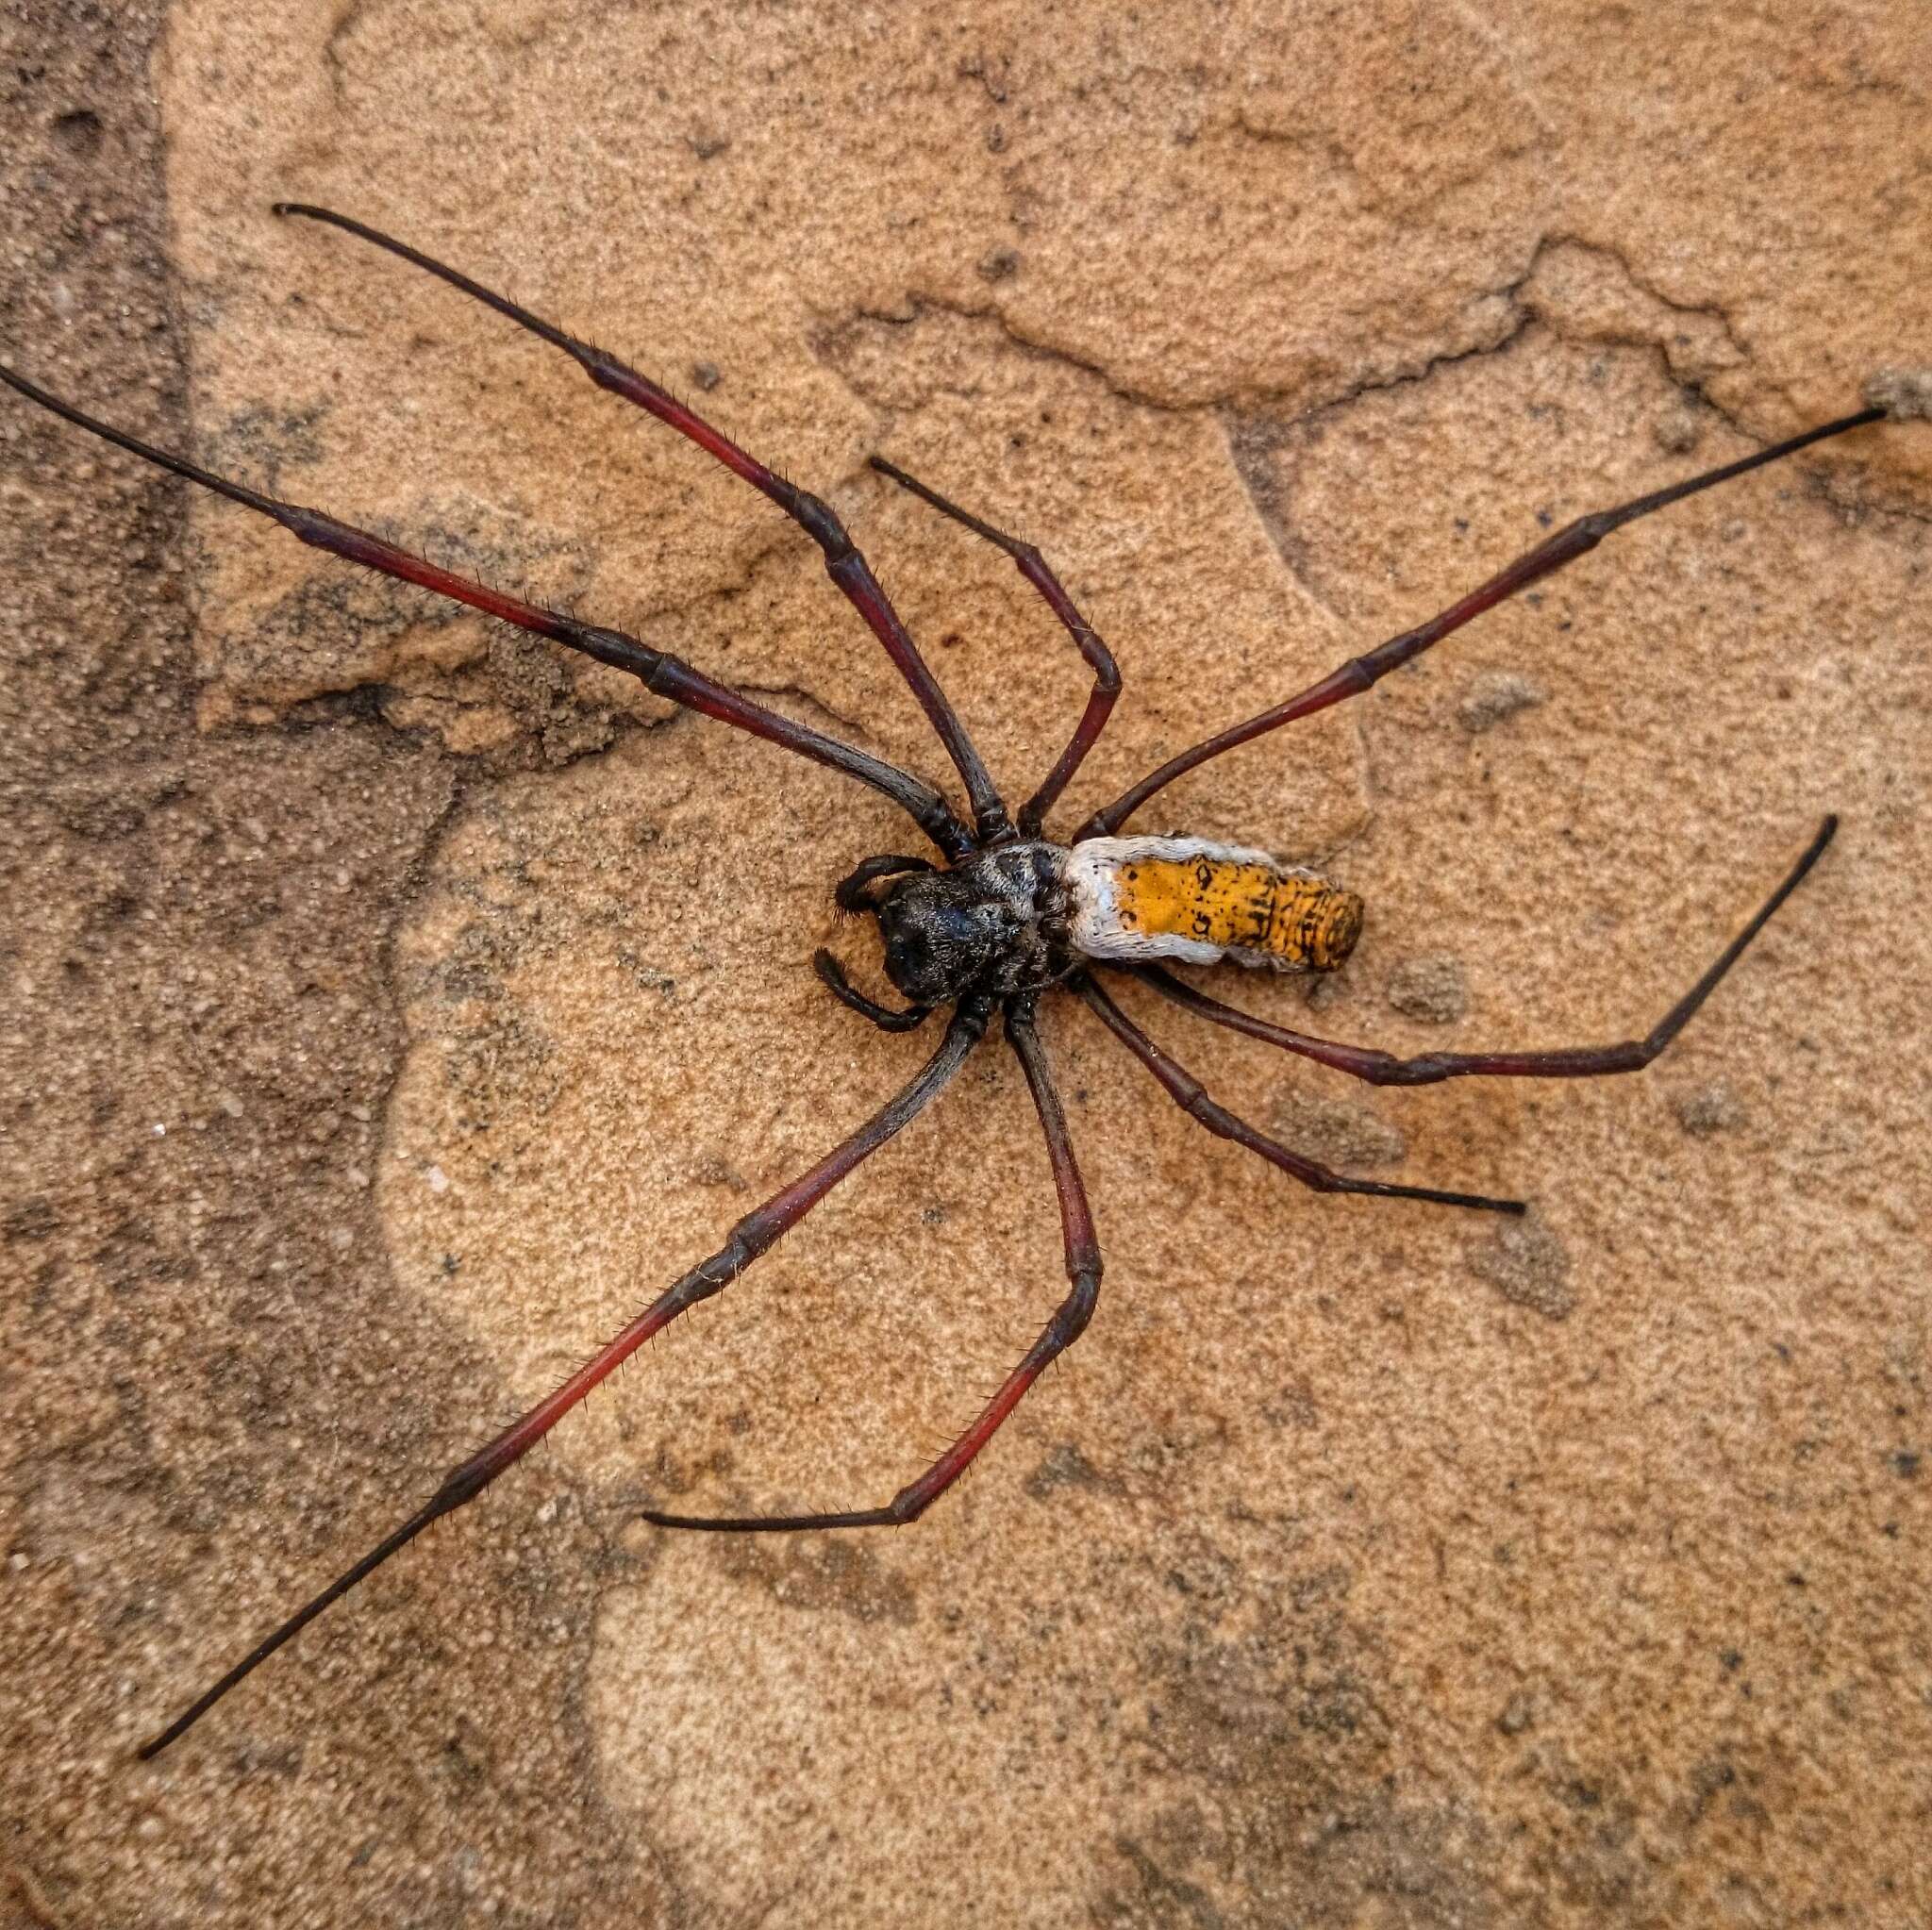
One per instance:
(1007, 916)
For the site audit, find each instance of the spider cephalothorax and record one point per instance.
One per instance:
(1008, 917)
(995, 923)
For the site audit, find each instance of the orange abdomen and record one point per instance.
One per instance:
(1291, 918)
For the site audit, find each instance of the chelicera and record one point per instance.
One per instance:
(1004, 916)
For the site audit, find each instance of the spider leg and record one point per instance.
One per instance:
(752, 1235)
(668, 676)
(833, 974)
(1068, 1323)
(846, 567)
(1562, 1062)
(1189, 1094)
(1350, 679)
(1107, 676)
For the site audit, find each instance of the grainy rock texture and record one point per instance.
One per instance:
(391, 1005)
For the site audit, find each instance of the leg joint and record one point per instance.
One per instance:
(908, 1505)
(823, 526)
(1070, 1318)
(749, 1239)
(464, 1484)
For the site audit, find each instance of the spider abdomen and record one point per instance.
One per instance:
(1187, 898)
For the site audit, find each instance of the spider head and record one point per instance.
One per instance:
(940, 934)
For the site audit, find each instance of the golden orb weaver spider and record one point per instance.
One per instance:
(1007, 916)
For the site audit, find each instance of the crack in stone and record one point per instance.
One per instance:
(853, 728)
(333, 57)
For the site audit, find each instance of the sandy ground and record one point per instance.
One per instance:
(390, 1005)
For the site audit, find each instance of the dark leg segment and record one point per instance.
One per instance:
(1352, 678)
(753, 1234)
(1189, 1094)
(1563, 1062)
(1107, 676)
(668, 676)
(846, 567)
(1068, 1323)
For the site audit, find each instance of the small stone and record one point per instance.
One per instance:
(438, 1178)
(1339, 1132)
(1904, 394)
(1518, 1713)
(1527, 1263)
(1678, 429)
(1713, 1108)
(1434, 989)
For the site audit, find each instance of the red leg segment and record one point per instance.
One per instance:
(846, 567)
(1358, 674)
(668, 676)
(753, 1234)
(1107, 676)
(1429, 1067)
(1068, 1323)
(1192, 1098)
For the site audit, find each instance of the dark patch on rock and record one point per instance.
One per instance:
(1525, 1261)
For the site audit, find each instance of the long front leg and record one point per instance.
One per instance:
(1559, 1062)
(1194, 1100)
(1068, 1323)
(846, 567)
(753, 1234)
(1350, 679)
(667, 677)
(1107, 677)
